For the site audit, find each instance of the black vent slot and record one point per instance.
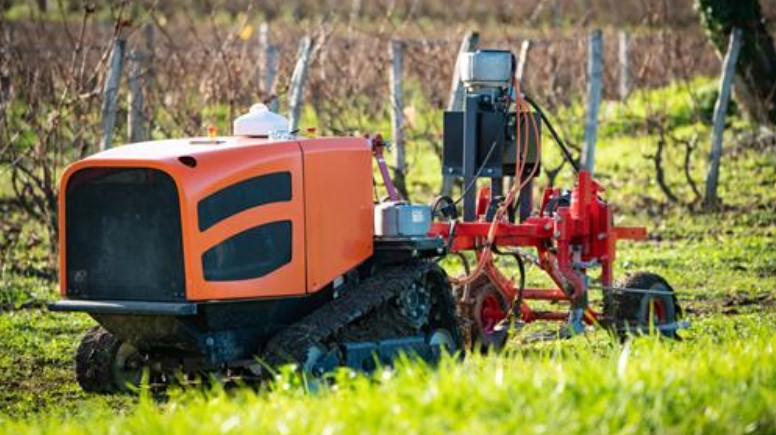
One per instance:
(250, 254)
(253, 192)
(123, 235)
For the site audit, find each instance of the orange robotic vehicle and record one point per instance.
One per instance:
(237, 254)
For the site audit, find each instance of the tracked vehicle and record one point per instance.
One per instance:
(234, 255)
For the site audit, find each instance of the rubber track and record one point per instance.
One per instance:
(323, 325)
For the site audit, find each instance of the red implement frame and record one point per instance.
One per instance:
(569, 240)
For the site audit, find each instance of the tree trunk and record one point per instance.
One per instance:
(756, 67)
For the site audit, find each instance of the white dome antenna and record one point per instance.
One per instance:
(260, 122)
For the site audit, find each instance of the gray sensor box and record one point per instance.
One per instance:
(399, 219)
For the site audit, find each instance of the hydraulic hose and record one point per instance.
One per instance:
(566, 153)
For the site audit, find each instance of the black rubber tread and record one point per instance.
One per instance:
(387, 320)
(94, 361)
(468, 310)
(327, 323)
(445, 301)
(623, 313)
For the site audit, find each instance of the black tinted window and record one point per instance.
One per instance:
(253, 192)
(250, 254)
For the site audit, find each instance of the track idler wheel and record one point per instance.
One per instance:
(104, 364)
(639, 313)
(443, 328)
(482, 310)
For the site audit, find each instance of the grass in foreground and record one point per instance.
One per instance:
(721, 379)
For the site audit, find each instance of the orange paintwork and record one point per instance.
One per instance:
(339, 208)
(315, 167)
(630, 233)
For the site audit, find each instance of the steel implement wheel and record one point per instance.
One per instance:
(491, 311)
(128, 367)
(640, 312)
(318, 360)
(443, 339)
(485, 308)
(103, 364)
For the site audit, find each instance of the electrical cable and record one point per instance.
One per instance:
(517, 302)
(566, 153)
(436, 211)
(476, 174)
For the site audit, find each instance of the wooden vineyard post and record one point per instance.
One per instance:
(298, 79)
(622, 56)
(111, 91)
(396, 49)
(469, 43)
(269, 62)
(5, 68)
(595, 76)
(136, 120)
(522, 60)
(720, 109)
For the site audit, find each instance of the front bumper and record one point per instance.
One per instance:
(126, 307)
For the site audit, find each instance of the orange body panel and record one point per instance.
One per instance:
(339, 208)
(330, 208)
(219, 170)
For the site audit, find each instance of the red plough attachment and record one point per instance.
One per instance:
(496, 136)
(571, 234)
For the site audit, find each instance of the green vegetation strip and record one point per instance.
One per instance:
(721, 379)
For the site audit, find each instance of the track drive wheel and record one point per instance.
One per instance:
(632, 313)
(481, 313)
(443, 327)
(104, 364)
